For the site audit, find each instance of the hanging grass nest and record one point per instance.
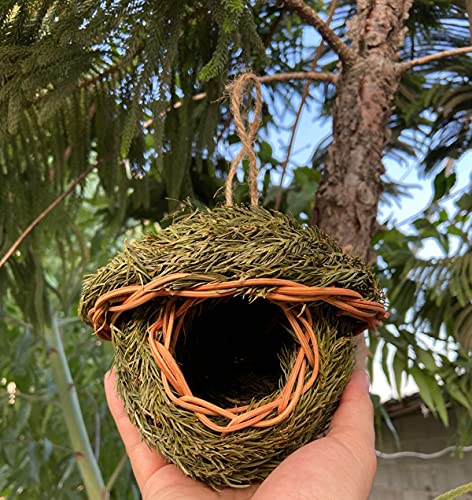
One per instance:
(232, 331)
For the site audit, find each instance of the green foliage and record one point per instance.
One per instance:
(79, 81)
(120, 84)
(37, 458)
(298, 199)
(431, 303)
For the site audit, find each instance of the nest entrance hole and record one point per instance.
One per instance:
(230, 351)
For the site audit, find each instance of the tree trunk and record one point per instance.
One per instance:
(351, 185)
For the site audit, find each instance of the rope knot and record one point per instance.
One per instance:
(247, 133)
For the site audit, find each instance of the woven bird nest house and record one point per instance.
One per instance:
(232, 331)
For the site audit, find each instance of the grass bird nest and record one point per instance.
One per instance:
(232, 331)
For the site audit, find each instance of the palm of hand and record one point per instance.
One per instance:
(339, 466)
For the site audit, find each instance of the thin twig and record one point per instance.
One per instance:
(322, 76)
(45, 212)
(405, 66)
(306, 90)
(116, 472)
(346, 54)
(17, 321)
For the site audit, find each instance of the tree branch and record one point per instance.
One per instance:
(405, 66)
(45, 212)
(306, 89)
(329, 36)
(322, 76)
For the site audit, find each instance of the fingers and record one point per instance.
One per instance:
(144, 461)
(354, 419)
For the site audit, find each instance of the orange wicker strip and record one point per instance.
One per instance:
(110, 305)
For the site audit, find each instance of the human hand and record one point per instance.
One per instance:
(340, 466)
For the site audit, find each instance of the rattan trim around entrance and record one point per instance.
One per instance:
(284, 293)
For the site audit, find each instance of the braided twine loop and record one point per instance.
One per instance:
(247, 136)
(163, 335)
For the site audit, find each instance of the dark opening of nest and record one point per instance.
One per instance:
(229, 350)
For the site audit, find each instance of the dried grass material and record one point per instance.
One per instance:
(231, 243)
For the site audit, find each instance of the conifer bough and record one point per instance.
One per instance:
(232, 331)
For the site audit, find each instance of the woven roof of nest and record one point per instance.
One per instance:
(234, 350)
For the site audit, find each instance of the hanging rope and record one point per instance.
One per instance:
(247, 134)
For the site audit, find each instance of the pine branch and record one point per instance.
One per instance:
(346, 55)
(111, 70)
(405, 66)
(90, 83)
(306, 89)
(45, 212)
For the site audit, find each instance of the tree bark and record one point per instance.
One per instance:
(351, 185)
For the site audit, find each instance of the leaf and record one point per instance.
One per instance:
(385, 366)
(265, 149)
(454, 230)
(301, 199)
(9, 453)
(399, 366)
(71, 464)
(403, 296)
(33, 462)
(439, 403)
(424, 384)
(24, 347)
(24, 412)
(47, 449)
(391, 427)
(465, 202)
(129, 128)
(427, 358)
(374, 341)
(456, 393)
(443, 184)
(306, 175)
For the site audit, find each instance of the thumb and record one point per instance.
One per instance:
(354, 418)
